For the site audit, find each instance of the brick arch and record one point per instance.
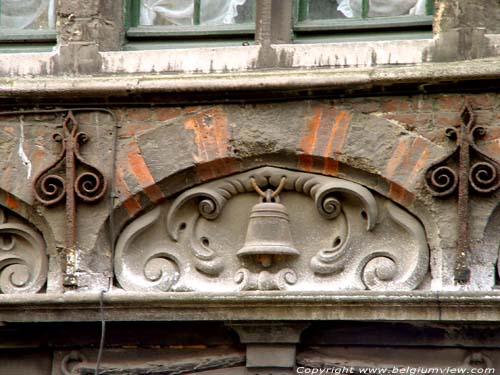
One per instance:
(218, 141)
(26, 211)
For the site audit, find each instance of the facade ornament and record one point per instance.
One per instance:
(147, 361)
(71, 361)
(477, 360)
(476, 172)
(23, 260)
(268, 240)
(308, 232)
(70, 178)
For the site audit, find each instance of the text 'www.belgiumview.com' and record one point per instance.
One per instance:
(395, 370)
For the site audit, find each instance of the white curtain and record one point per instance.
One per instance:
(180, 12)
(21, 14)
(382, 8)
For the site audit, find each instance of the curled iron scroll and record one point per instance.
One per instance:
(483, 175)
(51, 185)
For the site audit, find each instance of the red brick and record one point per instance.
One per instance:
(396, 105)
(132, 129)
(423, 120)
(139, 168)
(121, 114)
(10, 130)
(481, 101)
(492, 133)
(447, 119)
(211, 136)
(191, 109)
(85, 117)
(422, 104)
(167, 113)
(400, 195)
(450, 103)
(12, 202)
(493, 148)
(433, 135)
(404, 118)
(324, 135)
(364, 105)
(484, 118)
(139, 114)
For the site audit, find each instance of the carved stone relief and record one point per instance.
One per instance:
(147, 361)
(273, 229)
(23, 260)
(397, 358)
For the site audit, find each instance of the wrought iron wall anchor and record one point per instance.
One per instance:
(70, 177)
(480, 177)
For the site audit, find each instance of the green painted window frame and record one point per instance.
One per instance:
(360, 29)
(302, 30)
(154, 37)
(26, 40)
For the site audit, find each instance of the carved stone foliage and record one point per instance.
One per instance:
(23, 260)
(273, 229)
(144, 361)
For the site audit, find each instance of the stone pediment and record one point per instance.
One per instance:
(273, 229)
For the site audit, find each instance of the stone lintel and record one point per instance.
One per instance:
(253, 306)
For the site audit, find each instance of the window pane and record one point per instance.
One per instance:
(195, 12)
(27, 14)
(329, 9)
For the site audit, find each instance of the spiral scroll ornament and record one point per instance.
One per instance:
(70, 178)
(466, 169)
(442, 177)
(52, 184)
(23, 261)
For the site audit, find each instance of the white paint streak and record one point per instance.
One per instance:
(193, 60)
(26, 64)
(21, 153)
(242, 59)
(355, 54)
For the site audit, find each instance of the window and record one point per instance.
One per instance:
(181, 21)
(31, 21)
(212, 22)
(363, 19)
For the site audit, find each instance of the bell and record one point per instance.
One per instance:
(268, 234)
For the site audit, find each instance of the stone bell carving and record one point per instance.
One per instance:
(268, 235)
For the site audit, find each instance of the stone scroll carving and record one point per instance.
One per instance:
(23, 260)
(305, 232)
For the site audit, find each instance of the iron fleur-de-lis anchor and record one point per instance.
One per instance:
(70, 177)
(482, 177)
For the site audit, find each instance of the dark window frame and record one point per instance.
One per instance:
(147, 37)
(27, 40)
(276, 21)
(364, 28)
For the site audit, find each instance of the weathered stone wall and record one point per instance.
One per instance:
(371, 114)
(385, 143)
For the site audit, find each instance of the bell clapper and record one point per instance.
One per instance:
(265, 260)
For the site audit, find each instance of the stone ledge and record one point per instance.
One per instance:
(472, 75)
(258, 306)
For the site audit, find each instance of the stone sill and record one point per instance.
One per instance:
(360, 305)
(481, 74)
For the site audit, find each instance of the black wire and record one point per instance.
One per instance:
(103, 332)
